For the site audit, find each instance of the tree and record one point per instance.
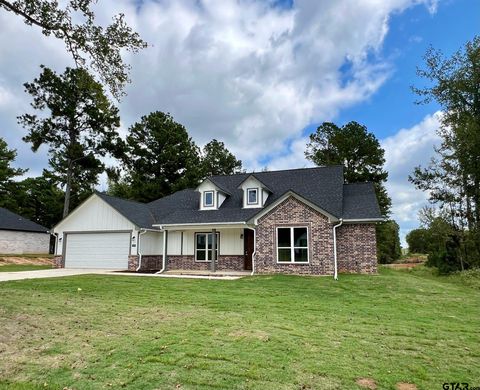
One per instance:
(80, 129)
(363, 159)
(218, 160)
(357, 150)
(418, 240)
(160, 159)
(90, 45)
(7, 174)
(39, 200)
(453, 175)
(388, 243)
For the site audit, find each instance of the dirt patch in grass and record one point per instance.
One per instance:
(367, 383)
(402, 265)
(406, 386)
(27, 260)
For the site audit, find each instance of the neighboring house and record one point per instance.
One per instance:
(19, 235)
(300, 221)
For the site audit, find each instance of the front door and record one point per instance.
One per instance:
(248, 242)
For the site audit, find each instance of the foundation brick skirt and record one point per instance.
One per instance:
(149, 262)
(58, 261)
(224, 263)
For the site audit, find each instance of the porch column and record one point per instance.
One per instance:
(214, 250)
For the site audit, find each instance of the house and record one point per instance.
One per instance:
(299, 221)
(19, 235)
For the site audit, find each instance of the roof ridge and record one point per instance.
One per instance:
(279, 170)
(117, 197)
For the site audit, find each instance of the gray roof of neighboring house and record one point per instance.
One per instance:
(12, 221)
(322, 186)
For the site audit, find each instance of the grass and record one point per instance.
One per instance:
(266, 332)
(22, 267)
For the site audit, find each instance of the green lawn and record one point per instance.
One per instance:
(281, 332)
(22, 267)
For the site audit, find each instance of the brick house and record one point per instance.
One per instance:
(19, 235)
(299, 221)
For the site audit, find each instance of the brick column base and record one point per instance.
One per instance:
(58, 262)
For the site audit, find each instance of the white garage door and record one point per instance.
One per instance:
(97, 250)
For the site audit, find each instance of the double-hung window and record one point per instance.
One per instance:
(292, 245)
(204, 245)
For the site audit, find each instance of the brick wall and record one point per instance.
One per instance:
(58, 262)
(292, 212)
(149, 262)
(357, 248)
(16, 242)
(356, 243)
(224, 263)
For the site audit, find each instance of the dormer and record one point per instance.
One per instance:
(211, 195)
(255, 193)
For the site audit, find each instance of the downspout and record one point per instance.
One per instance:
(142, 231)
(254, 249)
(164, 255)
(335, 271)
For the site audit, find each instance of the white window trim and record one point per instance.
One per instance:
(206, 248)
(205, 199)
(248, 196)
(292, 248)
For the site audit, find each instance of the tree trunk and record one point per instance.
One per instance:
(68, 186)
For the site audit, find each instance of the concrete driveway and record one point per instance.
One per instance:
(49, 273)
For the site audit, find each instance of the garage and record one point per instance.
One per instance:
(103, 250)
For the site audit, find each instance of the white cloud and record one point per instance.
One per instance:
(247, 72)
(404, 151)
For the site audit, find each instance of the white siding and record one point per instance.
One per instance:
(231, 242)
(151, 243)
(189, 242)
(94, 215)
(174, 244)
(15, 242)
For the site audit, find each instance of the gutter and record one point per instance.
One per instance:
(335, 271)
(199, 224)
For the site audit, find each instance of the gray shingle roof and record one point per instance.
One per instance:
(360, 202)
(136, 212)
(12, 221)
(322, 186)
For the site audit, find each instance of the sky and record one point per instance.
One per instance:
(262, 75)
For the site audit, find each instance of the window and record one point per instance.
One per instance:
(252, 196)
(203, 246)
(208, 198)
(292, 245)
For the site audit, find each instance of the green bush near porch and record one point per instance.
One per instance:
(266, 332)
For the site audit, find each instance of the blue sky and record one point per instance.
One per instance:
(261, 75)
(411, 33)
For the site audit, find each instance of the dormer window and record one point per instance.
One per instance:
(208, 199)
(252, 196)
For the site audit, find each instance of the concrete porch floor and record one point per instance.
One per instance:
(208, 273)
